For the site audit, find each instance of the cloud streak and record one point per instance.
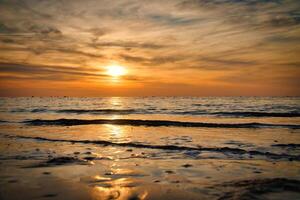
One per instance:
(29, 71)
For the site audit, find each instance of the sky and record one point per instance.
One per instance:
(166, 47)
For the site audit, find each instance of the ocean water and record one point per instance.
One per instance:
(195, 147)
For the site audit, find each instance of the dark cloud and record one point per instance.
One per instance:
(283, 39)
(74, 52)
(30, 71)
(158, 60)
(26, 28)
(290, 64)
(136, 59)
(129, 45)
(22, 6)
(257, 13)
(7, 40)
(47, 49)
(37, 78)
(97, 33)
(284, 20)
(227, 62)
(261, 78)
(173, 20)
(4, 29)
(221, 3)
(45, 31)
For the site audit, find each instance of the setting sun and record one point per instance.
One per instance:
(116, 70)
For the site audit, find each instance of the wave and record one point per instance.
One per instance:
(100, 111)
(38, 110)
(239, 114)
(259, 114)
(162, 111)
(83, 111)
(22, 110)
(154, 123)
(167, 147)
(18, 110)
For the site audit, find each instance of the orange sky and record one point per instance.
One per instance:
(172, 47)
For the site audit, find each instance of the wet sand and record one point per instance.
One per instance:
(45, 168)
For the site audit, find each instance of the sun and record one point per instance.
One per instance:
(115, 70)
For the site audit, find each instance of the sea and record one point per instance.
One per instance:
(150, 147)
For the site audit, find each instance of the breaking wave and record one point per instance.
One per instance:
(155, 123)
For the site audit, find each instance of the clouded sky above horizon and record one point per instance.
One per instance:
(169, 47)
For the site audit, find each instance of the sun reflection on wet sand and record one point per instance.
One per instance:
(121, 189)
(129, 189)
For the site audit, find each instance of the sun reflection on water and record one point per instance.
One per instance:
(114, 130)
(115, 101)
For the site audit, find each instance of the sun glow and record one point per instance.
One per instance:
(116, 70)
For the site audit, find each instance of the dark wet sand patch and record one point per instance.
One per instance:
(291, 145)
(253, 189)
(187, 165)
(12, 181)
(49, 195)
(169, 172)
(60, 161)
(239, 144)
